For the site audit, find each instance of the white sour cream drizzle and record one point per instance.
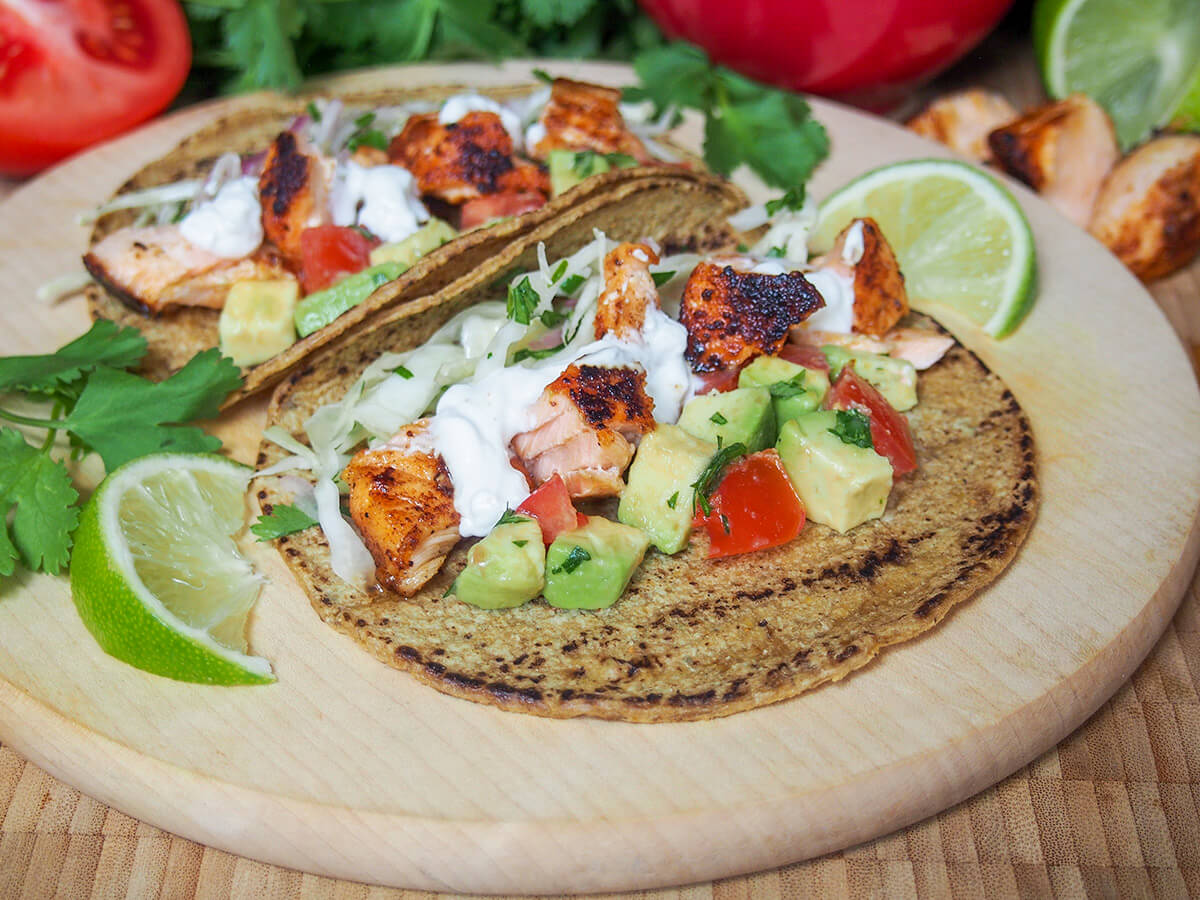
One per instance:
(460, 104)
(382, 199)
(230, 224)
(477, 420)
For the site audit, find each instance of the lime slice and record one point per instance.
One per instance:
(1133, 57)
(156, 576)
(961, 239)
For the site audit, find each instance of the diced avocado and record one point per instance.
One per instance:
(744, 414)
(569, 167)
(428, 237)
(505, 569)
(658, 496)
(895, 378)
(795, 389)
(841, 485)
(589, 567)
(317, 310)
(256, 322)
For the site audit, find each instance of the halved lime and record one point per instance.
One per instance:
(1133, 57)
(156, 575)
(961, 239)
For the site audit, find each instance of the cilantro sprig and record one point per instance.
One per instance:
(284, 519)
(101, 408)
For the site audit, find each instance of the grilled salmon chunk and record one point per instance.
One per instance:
(465, 159)
(154, 268)
(880, 299)
(963, 120)
(629, 290)
(590, 419)
(294, 191)
(583, 116)
(732, 316)
(1063, 151)
(402, 502)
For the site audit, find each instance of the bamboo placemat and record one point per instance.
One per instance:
(1113, 811)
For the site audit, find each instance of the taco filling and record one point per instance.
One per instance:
(736, 396)
(285, 240)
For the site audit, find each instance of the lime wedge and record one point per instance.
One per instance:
(1135, 58)
(156, 576)
(961, 239)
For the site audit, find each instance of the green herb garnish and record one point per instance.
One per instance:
(402, 371)
(718, 419)
(284, 519)
(572, 284)
(776, 253)
(577, 557)
(543, 76)
(552, 317)
(313, 112)
(522, 301)
(525, 353)
(520, 543)
(793, 387)
(673, 499)
(372, 137)
(512, 518)
(853, 427)
(711, 476)
(792, 198)
(661, 278)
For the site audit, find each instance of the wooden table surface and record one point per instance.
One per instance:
(1114, 810)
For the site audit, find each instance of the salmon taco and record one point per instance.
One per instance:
(282, 226)
(635, 476)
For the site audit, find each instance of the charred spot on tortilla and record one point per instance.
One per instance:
(733, 316)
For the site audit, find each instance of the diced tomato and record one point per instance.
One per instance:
(330, 253)
(889, 429)
(753, 508)
(718, 382)
(496, 206)
(807, 355)
(551, 505)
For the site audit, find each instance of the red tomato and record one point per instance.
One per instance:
(330, 253)
(754, 507)
(807, 355)
(74, 72)
(865, 50)
(718, 382)
(496, 206)
(551, 505)
(889, 429)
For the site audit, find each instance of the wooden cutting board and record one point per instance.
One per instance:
(348, 768)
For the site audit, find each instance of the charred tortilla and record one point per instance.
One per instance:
(175, 335)
(695, 638)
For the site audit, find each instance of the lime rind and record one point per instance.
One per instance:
(946, 251)
(123, 613)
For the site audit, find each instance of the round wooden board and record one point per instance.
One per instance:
(348, 768)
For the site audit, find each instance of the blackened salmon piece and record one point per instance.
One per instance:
(589, 420)
(581, 116)
(733, 316)
(465, 159)
(629, 290)
(402, 502)
(880, 298)
(294, 192)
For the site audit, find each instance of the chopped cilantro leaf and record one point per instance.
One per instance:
(520, 543)
(673, 499)
(403, 372)
(711, 476)
(572, 284)
(525, 353)
(543, 76)
(577, 557)
(743, 248)
(776, 253)
(372, 137)
(793, 387)
(552, 317)
(620, 160)
(365, 120)
(511, 518)
(313, 112)
(718, 419)
(792, 199)
(522, 301)
(853, 427)
(284, 519)
(559, 271)
(661, 278)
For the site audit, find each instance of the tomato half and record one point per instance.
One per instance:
(75, 72)
(329, 253)
(551, 505)
(889, 429)
(497, 206)
(753, 508)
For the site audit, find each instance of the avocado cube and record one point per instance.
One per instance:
(794, 389)
(744, 414)
(428, 237)
(318, 309)
(895, 378)
(256, 321)
(569, 167)
(659, 494)
(840, 484)
(504, 569)
(589, 567)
